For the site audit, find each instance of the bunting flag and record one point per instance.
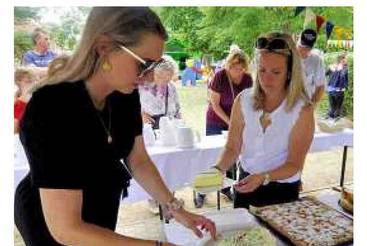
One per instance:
(319, 21)
(348, 33)
(298, 10)
(348, 44)
(329, 29)
(338, 32)
(310, 16)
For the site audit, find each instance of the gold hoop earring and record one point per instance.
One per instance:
(106, 66)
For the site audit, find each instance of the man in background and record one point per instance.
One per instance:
(41, 55)
(313, 65)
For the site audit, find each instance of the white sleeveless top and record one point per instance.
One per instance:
(264, 152)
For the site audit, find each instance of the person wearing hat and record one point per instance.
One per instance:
(313, 65)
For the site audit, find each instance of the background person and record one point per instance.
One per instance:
(82, 133)
(271, 127)
(223, 89)
(41, 55)
(338, 83)
(24, 80)
(313, 65)
(160, 97)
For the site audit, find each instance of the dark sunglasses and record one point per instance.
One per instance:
(148, 66)
(145, 66)
(271, 43)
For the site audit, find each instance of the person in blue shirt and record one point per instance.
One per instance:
(41, 55)
(338, 83)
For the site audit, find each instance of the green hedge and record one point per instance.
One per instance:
(348, 99)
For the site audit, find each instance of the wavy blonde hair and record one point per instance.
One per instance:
(123, 25)
(236, 56)
(295, 88)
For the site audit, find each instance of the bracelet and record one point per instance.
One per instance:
(172, 206)
(158, 243)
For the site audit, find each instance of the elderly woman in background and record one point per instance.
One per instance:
(160, 97)
(271, 127)
(223, 89)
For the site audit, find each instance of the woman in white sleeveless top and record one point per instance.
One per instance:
(271, 127)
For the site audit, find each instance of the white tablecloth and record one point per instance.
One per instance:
(178, 167)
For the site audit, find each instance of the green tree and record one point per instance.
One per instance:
(22, 43)
(66, 34)
(213, 29)
(182, 25)
(27, 13)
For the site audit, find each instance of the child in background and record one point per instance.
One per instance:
(24, 79)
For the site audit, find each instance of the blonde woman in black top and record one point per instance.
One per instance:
(82, 135)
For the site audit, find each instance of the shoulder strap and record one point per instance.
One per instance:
(166, 102)
(230, 85)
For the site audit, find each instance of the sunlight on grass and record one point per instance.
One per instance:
(193, 102)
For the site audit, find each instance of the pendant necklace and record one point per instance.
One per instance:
(100, 118)
(107, 130)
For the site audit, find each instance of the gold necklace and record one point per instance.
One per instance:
(100, 118)
(107, 130)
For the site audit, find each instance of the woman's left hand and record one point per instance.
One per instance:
(250, 183)
(196, 223)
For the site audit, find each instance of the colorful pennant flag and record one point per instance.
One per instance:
(338, 32)
(329, 29)
(298, 10)
(319, 21)
(348, 33)
(348, 44)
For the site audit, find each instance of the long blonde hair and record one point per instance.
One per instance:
(123, 25)
(295, 87)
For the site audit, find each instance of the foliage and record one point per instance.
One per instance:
(22, 43)
(213, 29)
(26, 13)
(66, 34)
(182, 25)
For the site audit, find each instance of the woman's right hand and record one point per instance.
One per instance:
(147, 118)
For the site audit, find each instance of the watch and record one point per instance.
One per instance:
(267, 179)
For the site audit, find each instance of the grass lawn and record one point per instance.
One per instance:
(193, 102)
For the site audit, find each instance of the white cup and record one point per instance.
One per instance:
(148, 135)
(185, 137)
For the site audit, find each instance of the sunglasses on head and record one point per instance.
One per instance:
(145, 66)
(271, 43)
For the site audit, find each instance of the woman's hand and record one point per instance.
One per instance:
(250, 183)
(195, 223)
(147, 118)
